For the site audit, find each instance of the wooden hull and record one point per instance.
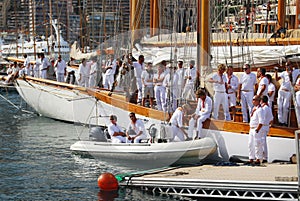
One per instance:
(149, 155)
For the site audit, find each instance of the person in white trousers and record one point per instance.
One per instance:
(203, 112)
(220, 97)
(268, 119)
(255, 142)
(246, 91)
(177, 123)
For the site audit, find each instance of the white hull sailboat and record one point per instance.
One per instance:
(77, 104)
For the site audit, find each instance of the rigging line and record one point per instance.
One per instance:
(87, 121)
(14, 105)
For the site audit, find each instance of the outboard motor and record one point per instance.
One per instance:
(98, 134)
(152, 131)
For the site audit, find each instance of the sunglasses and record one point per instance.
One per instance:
(131, 116)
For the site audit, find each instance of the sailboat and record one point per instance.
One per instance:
(231, 137)
(77, 104)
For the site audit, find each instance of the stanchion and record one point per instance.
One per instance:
(297, 133)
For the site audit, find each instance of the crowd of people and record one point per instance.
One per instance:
(254, 92)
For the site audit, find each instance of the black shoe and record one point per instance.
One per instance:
(265, 161)
(248, 162)
(256, 163)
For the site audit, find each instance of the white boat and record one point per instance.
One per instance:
(149, 155)
(57, 100)
(76, 104)
(52, 46)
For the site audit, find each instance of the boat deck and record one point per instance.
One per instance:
(267, 182)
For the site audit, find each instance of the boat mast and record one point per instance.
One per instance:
(45, 27)
(297, 15)
(51, 29)
(281, 13)
(135, 13)
(203, 38)
(33, 27)
(17, 33)
(154, 17)
(58, 30)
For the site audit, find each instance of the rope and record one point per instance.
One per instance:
(14, 105)
(121, 177)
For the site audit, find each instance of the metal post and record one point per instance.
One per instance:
(297, 133)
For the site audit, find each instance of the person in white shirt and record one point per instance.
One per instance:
(255, 143)
(110, 69)
(203, 112)
(295, 72)
(136, 130)
(284, 95)
(44, 66)
(60, 68)
(297, 91)
(190, 75)
(159, 88)
(9, 72)
(271, 90)
(171, 84)
(38, 63)
(220, 97)
(232, 86)
(176, 121)
(246, 91)
(27, 65)
(115, 131)
(84, 73)
(147, 81)
(180, 74)
(263, 82)
(267, 122)
(93, 73)
(138, 67)
(14, 72)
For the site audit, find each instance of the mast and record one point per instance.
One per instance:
(58, 30)
(33, 28)
(203, 38)
(297, 14)
(45, 27)
(17, 33)
(135, 13)
(281, 13)
(154, 17)
(81, 27)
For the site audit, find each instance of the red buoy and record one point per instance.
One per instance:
(108, 182)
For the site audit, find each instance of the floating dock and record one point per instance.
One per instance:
(274, 181)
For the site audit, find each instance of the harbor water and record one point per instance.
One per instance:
(37, 164)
